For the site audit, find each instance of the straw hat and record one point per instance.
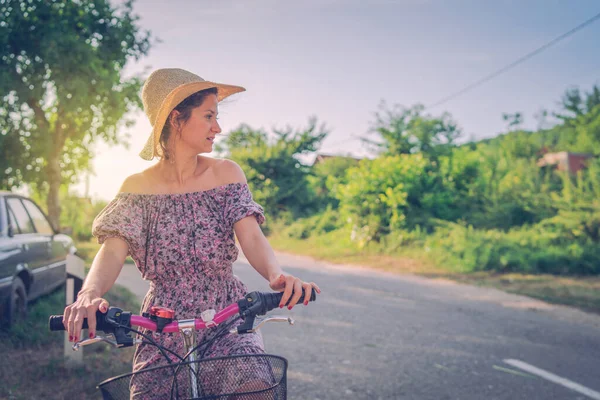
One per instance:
(164, 90)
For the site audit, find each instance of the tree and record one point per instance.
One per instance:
(62, 88)
(577, 104)
(273, 167)
(580, 113)
(514, 120)
(541, 116)
(326, 175)
(409, 130)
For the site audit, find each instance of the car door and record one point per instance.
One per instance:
(55, 272)
(11, 253)
(34, 246)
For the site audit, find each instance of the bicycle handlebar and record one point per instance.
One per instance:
(55, 322)
(253, 304)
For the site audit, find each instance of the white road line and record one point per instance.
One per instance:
(554, 378)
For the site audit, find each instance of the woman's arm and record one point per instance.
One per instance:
(257, 249)
(259, 253)
(106, 267)
(104, 272)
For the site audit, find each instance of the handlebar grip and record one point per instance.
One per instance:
(259, 303)
(55, 322)
(272, 300)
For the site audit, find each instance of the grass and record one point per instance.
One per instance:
(33, 365)
(580, 292)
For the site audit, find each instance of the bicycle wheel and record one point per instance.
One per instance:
(247, 377)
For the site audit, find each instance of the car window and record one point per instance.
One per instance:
(20, 214)
(39, 219)
(12, 221)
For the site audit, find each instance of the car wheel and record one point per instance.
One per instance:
(17, 303)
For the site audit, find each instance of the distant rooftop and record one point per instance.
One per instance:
(323, 156)
(565, 161)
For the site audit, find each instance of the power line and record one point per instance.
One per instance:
(498, 72)
(515, 63)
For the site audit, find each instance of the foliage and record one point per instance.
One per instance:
(514, 120)
(326, 176)
(63, 89)
(483, 205)
(380, 194)
(480, 206)
(277, 177)
(77, 215)
(318, 224)
(408, 130)
(582, 133)
(576, 104)
(564, 244)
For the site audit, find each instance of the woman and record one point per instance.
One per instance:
(177, 220)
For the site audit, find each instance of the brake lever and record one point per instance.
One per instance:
(99, 338)
(289, 320)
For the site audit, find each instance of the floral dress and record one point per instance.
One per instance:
(184, 245)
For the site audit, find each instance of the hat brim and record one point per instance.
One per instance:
(171, 101)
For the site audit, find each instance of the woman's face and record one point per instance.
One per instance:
(198, 133)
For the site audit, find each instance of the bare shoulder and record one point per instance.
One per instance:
(136, 183)
(228, 171)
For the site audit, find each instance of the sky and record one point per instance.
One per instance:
(339, 60)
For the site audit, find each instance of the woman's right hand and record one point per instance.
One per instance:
(85, 306)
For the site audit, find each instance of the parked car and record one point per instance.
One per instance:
(32, 256)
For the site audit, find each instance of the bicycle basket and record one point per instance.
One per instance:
(243, 377)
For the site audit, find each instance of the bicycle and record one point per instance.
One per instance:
(208, 378)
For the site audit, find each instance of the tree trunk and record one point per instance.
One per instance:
(54, 172)
(53, 201)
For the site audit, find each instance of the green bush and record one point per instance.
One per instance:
(318, 224)
(375, 199)
(547, 247)
(300, 229)
(325, 176)
(328, 221)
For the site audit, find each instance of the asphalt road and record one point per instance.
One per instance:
(372, 335)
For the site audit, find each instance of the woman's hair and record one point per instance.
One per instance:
(185, 111)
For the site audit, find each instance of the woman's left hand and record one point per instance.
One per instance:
(288, 283)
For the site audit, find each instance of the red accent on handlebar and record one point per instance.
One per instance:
(221, 316)
(162, 312)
